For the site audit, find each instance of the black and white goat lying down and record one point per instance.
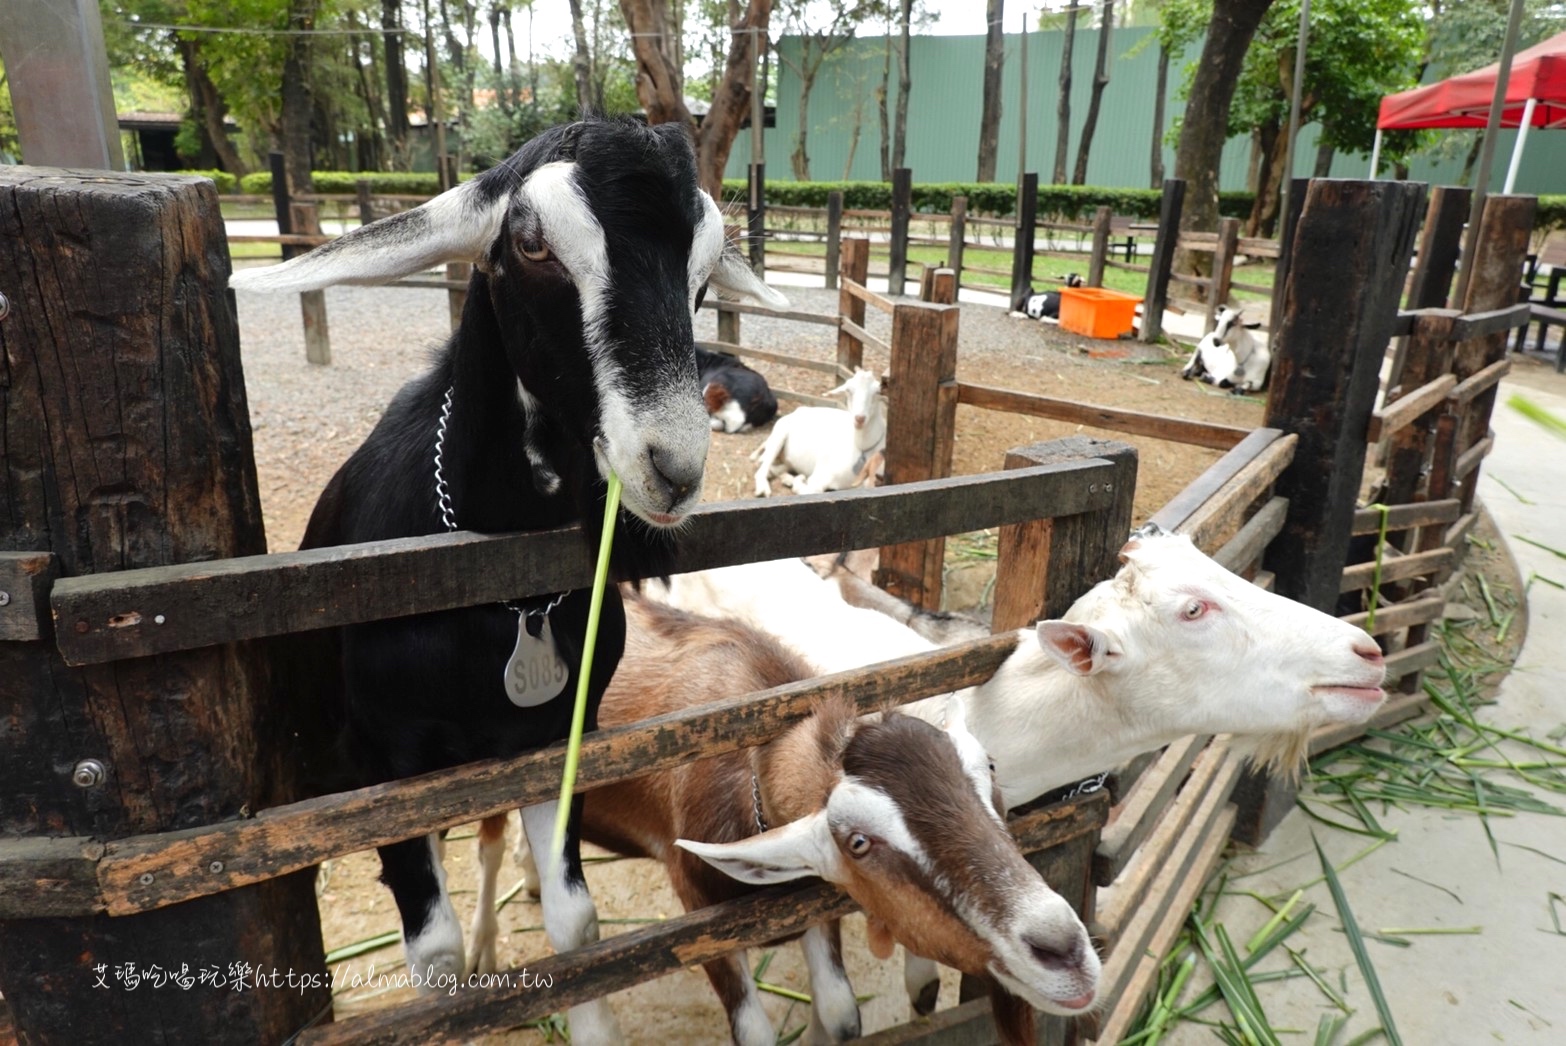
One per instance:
(1229, 355)
(1046, 307)
(574, 356)
(737, 398)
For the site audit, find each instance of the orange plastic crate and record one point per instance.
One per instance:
(1096, 312)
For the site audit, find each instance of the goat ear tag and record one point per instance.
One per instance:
(535, 673)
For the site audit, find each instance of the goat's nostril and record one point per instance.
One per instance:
(1370, 652)
(678, 481)
(1052, 957)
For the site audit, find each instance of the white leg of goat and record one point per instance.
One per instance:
(834, 1012)
(767, 455)
(434, 954)
(486, 927)
(922, 979)
(523, 858)
(819, 480)
(570, 921)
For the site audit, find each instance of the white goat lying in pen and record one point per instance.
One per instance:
(1229, 355)
(822, 448)
(905, 817)
(1131, 667)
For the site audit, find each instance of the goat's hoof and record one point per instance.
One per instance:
(924, 1003)
(436, 971)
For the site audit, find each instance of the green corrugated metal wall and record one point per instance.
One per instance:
(946, 94)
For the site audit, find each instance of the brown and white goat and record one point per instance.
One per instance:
(903, 815)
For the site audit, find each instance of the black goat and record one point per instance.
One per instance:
(574, 356)
(737, 398)
(1046, 307)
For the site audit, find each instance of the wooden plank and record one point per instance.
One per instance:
(1137, 815)
(640, 955)
(1224, 511)
(1132, 991)
(806, 398)
(25, 578)
(902, 204)
(1045, 566)
(1257, 247)
(969, 1023)
(1466, 390)
(1419, 564)
(1405, 410)
(306, 220)
(919, 434)
(834, 236)
(1176, 430)
(954, 249)
(1415, 611)
(1247, 545)
(1100, 249)
(188, 605)
(864, 337)
(1405, 517)
(1426, 357)
(1212, 778)
(866, 295)
(747, 309)
(782, 359)
(1440, 243)
(1023, 234)
(1178, 509)
(1492, 321)
(1469, 459)
(125, 442)
(1457, 532)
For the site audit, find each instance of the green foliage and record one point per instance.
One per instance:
(1551, 213)
(401, 183)
(224, 181)
(989, 198)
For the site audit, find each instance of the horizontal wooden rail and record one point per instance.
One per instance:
(866, 295)
(1127, 266)
(132, 613)
(287, 239)
(1253, 537)
(1155, 426)
(1405, 517)
(145, 872)
(863, 336)
(1417, 611)
(808, 399)
(1469, 459)
(1397, 568)
(1256, 247)
(1405, 410)
(1182, 506)
(1253, 288)
(746, 309)
(1225, 510)
(1483, 324)
(783, 359)
(1473, 385)
(1137, 815)
(641, 955)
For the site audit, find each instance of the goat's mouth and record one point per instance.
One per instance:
(1368, 694)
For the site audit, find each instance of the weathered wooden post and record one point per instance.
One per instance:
(938, 285)
(361, 187)
(1162, 261)
(1102, 219)
(128, 445)
(1022, 240)
(305, 218)
(958, 239)
(728, 325)
(1435, 262)
(1351, 250)
(756, 216)
(856, 267)
(834, 236)
(902, 205)
(1223, 269)
(921, 413)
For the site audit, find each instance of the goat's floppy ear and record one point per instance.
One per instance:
(1081, 649)
(886, 381)
(458, 225)
(794, 851)
(732, 278)
(1255, 325)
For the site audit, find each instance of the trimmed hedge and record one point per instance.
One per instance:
(398, 183)
(224, 181)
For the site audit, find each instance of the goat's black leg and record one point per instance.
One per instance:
(431, 934)
(570, 919)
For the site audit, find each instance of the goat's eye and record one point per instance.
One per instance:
(536, 250)
(859, 844)
(1194, 609)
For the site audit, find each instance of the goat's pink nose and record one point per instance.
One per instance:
(1370, 652)
(859, 421)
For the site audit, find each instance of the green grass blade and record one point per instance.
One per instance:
(1356, 941)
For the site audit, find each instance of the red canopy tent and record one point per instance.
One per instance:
(1535, 97)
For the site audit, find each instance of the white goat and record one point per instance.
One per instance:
(822, 448)
(1173, 645)
(902, 815)
(1229, 355)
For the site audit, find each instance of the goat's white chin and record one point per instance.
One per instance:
(1350, 704)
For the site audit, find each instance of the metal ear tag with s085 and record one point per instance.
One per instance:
(536, 672)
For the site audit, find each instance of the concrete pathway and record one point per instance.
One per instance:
(1508, 982)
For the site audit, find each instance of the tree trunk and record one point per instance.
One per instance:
(990, 114)
(1160, 96)
(502, 99)
(731, 104)
(1469, 161)
(580, 65)
(1063, 106)
(660, 82)
(880, 101)
(298, 104)
(396, 83)
(799, 160)
(1324, 155)
(1269, 178)
(904, 85)
(1100, 81)
(1205, 128)
(853, 132)
(208, 105)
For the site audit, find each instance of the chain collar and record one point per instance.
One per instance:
(448, 513)
(755, 798)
